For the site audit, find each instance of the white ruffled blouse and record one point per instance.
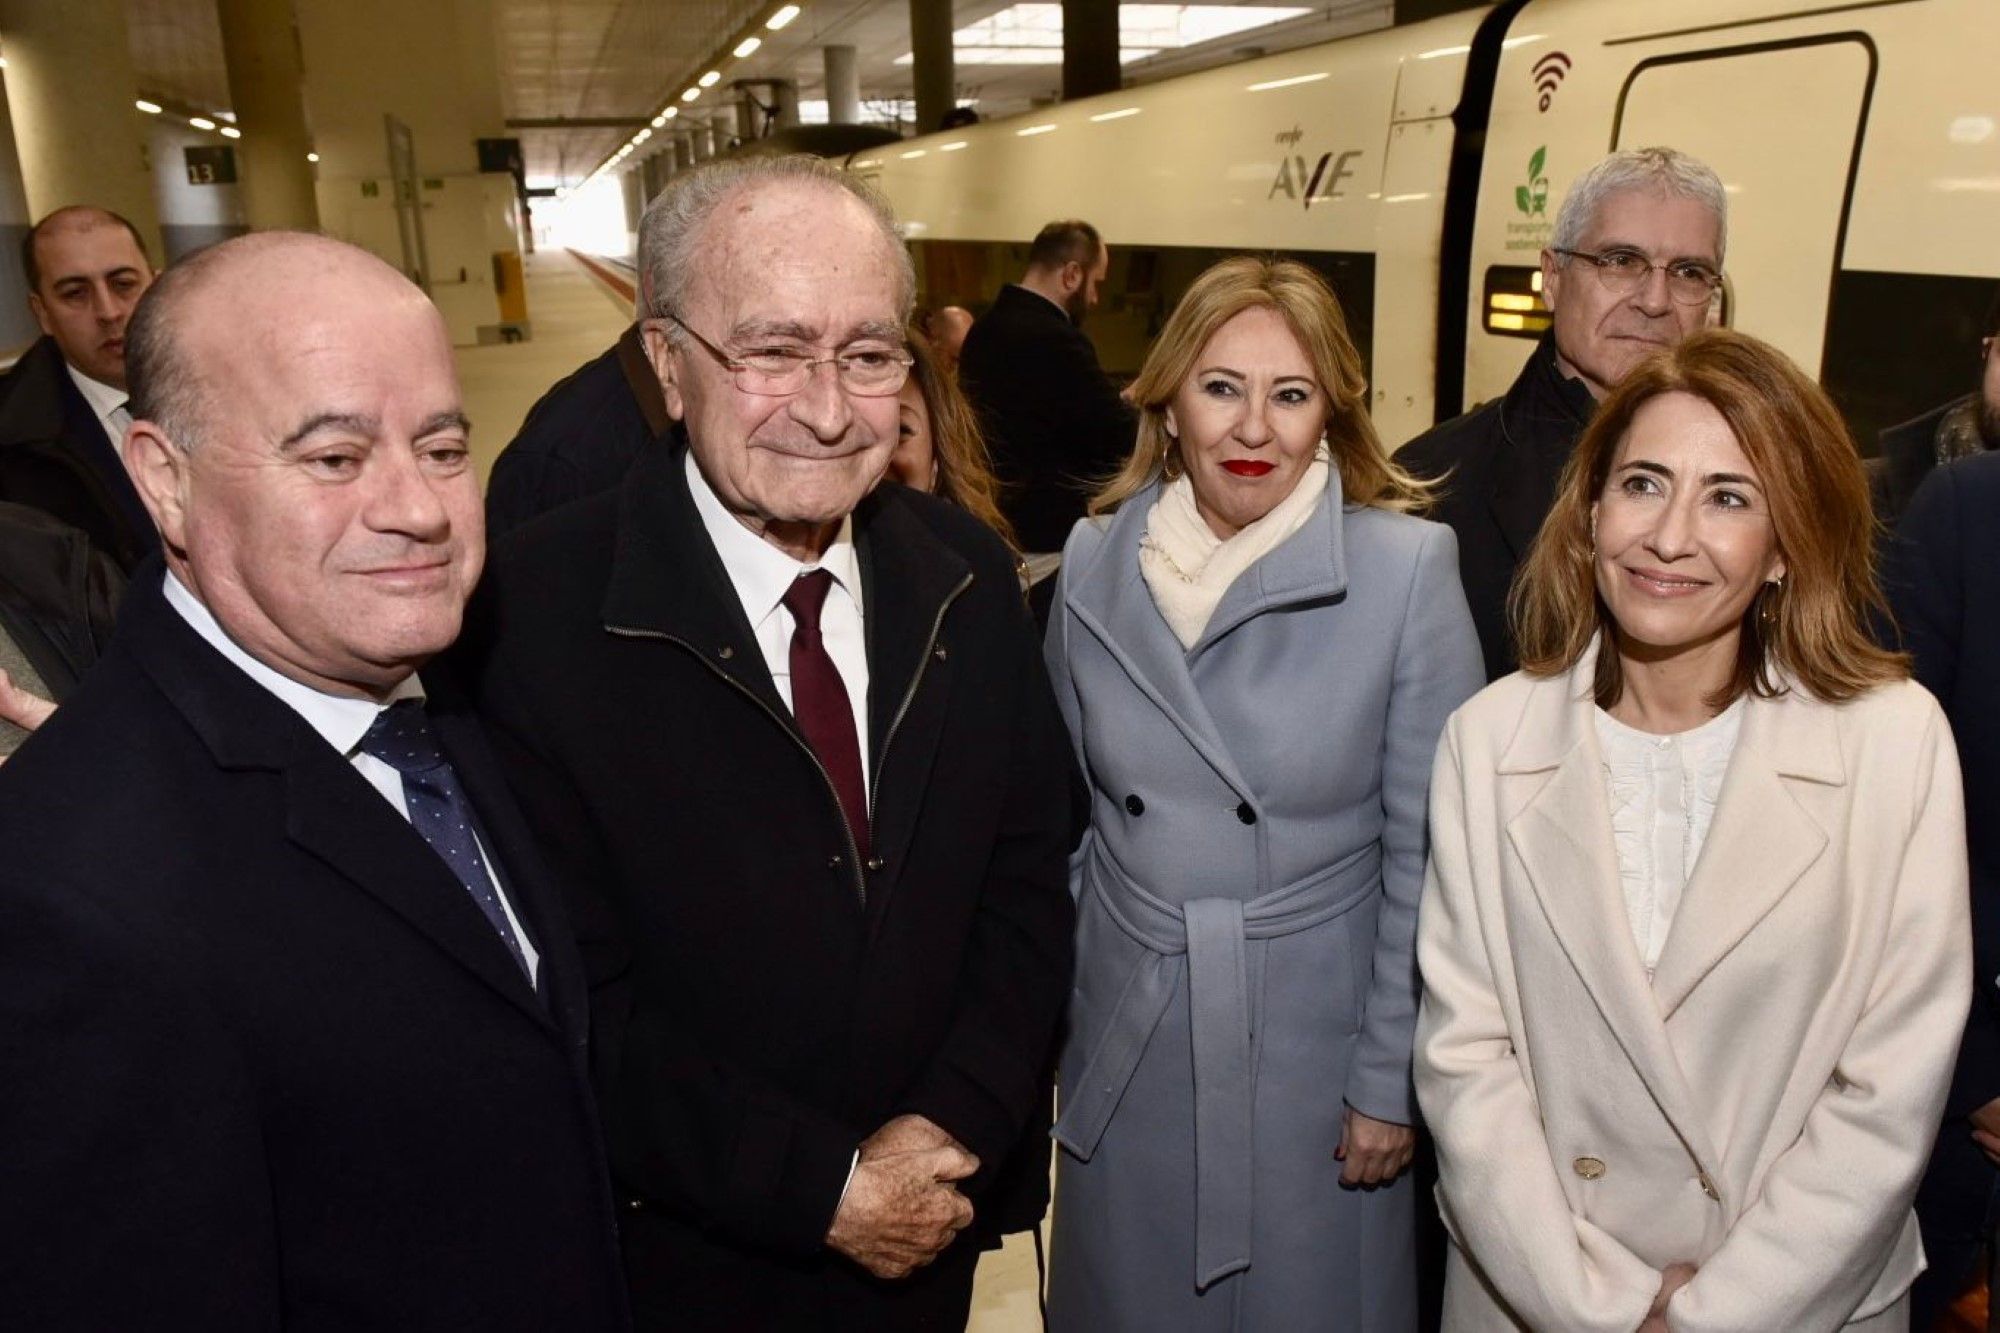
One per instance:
(1662, 791)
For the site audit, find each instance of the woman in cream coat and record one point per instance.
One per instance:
(1694, 937)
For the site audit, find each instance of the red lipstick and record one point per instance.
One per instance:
(1247, 467)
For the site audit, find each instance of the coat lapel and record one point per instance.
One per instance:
(1308, 566)
(331, 812)
(1563, 838)
(1762, 841)
(1110, 599)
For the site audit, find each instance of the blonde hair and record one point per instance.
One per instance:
(1311, 311)
(964, 470)
(1812, 627)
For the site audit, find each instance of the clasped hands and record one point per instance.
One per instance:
(902, 1205)
(1672, 1279)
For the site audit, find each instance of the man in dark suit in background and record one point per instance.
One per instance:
(62, 407)
(791, 733)
(1958, 429)
(1054, 423)
(294, 1028)
(1943, 580)
(1633, 266)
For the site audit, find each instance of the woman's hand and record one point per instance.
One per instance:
(1375, 1151)
(1672, 1279)
(26, 711)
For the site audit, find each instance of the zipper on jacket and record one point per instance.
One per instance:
(910, 694)
(846, 831)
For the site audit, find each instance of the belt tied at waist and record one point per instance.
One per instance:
(1203, 938)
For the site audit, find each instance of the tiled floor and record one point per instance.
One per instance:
(575, 317)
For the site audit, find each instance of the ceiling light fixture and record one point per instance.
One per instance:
(201, 122)
(231, 132)
(748, 47)
(710, 79)
(661, 119)
(150, 108)
(690, 94)
(312, 157)
(782, 17)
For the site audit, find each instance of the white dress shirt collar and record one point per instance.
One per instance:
(107, 404)
(760, 572)
(340, 719)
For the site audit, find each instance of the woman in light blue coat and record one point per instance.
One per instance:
(1256, 646)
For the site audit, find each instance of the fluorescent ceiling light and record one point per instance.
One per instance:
(1103, 116)
(690, 94)
(231, 132)
(661, 119)
(1292, 82)
(710, 79)
(150, 108)
(782, 17)
(312, 157)
(913, 154)
(747, 47)
(668, 114)
(201, 122)
(1031, 34)
(645, 133)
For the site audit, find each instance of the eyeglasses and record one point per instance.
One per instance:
(1689, 281)
(778, 372)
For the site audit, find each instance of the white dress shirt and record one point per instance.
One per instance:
(107, 403)
(343, 722)
(1662, 791)
(762, 574)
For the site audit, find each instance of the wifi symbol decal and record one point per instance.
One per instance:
(1550, 71)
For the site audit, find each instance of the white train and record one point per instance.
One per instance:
(1420, 169)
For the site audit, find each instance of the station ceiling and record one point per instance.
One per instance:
(628, 59)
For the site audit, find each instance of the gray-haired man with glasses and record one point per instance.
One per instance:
(1635, 265)
(787, 727)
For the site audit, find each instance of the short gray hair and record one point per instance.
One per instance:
(670, 231)
(1660, 170)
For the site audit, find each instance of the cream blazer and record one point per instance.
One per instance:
(1764, 1105)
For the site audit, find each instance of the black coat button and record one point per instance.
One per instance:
(1134, 806)
(1245, 813)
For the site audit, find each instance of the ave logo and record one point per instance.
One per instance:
(1310, 181)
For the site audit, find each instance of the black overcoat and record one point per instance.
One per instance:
(265, 1064)
(762, 1003)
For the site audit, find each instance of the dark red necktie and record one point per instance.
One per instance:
(821, 705)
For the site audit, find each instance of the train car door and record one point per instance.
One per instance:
(1782, 124)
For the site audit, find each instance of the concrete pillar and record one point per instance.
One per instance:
(261, 47)
(935, 82)
(70, 89)
(684, 155)
(722, 126)
(843, 86)
(635, 197)
(786, 93)
(749, 118)
(1090, 48)
(17, 325)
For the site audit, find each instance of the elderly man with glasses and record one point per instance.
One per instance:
(1635, 265)
(786, 727)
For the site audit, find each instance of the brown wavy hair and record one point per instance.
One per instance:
(1810, 630)
(1310, 309)
(965, 469)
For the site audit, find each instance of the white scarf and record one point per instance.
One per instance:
(1189, 568)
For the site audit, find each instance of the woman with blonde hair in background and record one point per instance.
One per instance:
(1255, 645)
(1694, 940)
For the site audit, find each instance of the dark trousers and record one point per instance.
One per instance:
(1958, 1208)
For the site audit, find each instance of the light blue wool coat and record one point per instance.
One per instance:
(1247, 899)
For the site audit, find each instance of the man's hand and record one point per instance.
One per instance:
(1374, 1151)
(1986, 1130)
(25, 710)
(909, 1133)
(901, 1209)
(1672, 1279)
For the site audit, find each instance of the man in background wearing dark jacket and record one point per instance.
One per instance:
(62, 407)
(1959, 429)
(1053, 421)
(1634, 266)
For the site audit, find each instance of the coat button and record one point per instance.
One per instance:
(833, 862)
(876, 863)
(1245, 813)
(1590, 1168)
(1708, 1187)
(635, 1205)
(725, 652)
(1134, 806)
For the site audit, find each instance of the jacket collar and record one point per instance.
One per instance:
(640, 379)
(330, 810)
(41, 397)
(1763, 840)
(1540, 418)
(1109, 597)
(667, 581)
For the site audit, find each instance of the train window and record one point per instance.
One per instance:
(1513, 302)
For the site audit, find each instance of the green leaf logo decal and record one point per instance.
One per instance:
(1536, 162)
(1532, 199)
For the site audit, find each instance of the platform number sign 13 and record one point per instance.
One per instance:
(211, 164)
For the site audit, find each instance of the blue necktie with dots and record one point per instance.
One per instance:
(401, 737)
